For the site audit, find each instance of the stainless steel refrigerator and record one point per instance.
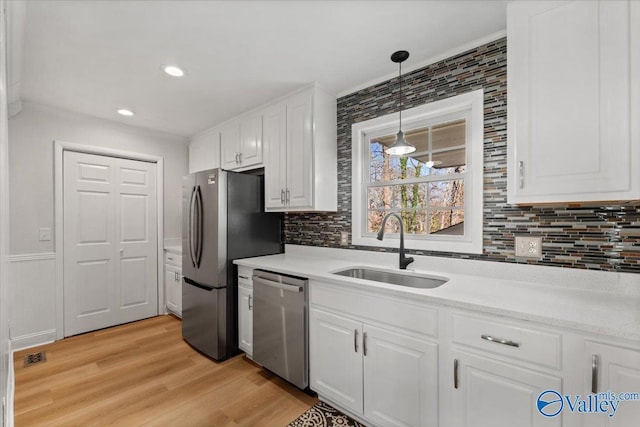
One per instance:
(223, 219)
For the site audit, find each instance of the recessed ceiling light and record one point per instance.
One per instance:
(172, 70)
(125, 112)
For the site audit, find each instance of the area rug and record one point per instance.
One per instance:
(323, 415)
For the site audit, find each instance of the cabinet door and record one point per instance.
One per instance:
(171, 293)
(335, 357)
(400, 379)
(570, 101)
(615, 369)
(230, 145)
(275, 148)
(494, 394)
(300, 151)
(245, 319)
(204, 151)
(251, 140)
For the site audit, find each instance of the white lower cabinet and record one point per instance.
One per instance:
(490, 393)
(335, 356)
(245, 319)
(245, 310)
(616, 369)
(388, 378)
(173, 288)
(400, 379)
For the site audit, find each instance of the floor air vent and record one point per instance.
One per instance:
(33, 358)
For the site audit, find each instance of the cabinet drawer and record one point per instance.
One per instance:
(397, 312)
(244, 276)
(173, 259)
(516, 340)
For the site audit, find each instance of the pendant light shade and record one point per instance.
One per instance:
(400, 147)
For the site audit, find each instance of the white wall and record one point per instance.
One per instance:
(6, 378)
(31, 155)
(31, 136)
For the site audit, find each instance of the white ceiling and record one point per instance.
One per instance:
(96, 56)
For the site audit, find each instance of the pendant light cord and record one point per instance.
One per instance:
(400, 78)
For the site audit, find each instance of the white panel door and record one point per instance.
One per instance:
(89, 242)
(245, 319)
(570, 100)
(300, 171)
(400, 379)
(494, 394)
(618, 370)
(110, 241)
(275, 148)
(136, 233)
(335, 359)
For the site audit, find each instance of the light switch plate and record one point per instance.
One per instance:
(529, 247)
(45, 234)
(344, 238)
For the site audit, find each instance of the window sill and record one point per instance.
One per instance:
(448, 245)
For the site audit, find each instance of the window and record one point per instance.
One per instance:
(437, 190)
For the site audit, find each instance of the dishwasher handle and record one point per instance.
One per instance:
(278, 285)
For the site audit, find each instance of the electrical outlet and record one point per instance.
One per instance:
(45, 234)
(529, 247)
(344, 238)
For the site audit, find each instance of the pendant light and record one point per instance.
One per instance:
(400, 146)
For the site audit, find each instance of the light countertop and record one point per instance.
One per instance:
(588, 301)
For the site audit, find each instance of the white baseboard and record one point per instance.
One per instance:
(33, 340)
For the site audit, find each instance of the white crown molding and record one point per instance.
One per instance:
(417, 65)
(31, 257)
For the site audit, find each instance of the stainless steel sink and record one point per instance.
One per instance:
(392, 278)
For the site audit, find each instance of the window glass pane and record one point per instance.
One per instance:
(415, 221)
(447, 135)
(446, 193)
(397, 197)
(447, 222)
(383, 167)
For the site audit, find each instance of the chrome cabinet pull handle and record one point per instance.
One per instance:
(594, 373)
(499, 341)
(249, 302)
(455, 373)
(521, 173)
(243, 277)
(355, 340)
(364, 343)
(288, 196)
(239, 157)
(282, 196)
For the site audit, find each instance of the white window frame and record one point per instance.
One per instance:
(469, 106)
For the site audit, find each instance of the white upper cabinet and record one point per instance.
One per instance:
(573, 101)
(241, 142)
(301, 153)
(275, 150)
(204, 150)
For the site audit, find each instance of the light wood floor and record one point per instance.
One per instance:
(143, 373)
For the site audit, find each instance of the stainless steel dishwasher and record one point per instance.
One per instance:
(280, 342)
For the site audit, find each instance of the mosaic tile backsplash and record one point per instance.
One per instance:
(605, 237)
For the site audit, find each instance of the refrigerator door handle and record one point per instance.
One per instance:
(198, 252)
(191, 220)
